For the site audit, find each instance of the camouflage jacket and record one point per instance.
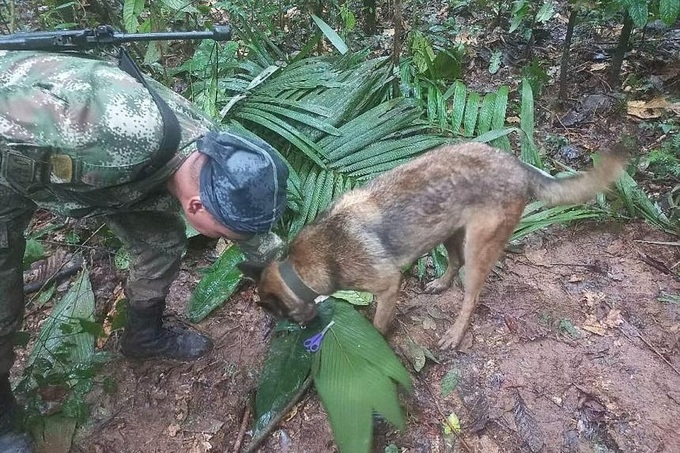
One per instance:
(90, 127)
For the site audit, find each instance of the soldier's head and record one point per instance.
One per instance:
(242, 186)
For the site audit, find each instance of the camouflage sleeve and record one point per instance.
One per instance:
(262, 248)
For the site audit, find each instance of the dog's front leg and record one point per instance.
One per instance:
(386, 302)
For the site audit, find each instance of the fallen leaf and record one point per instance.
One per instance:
(221, 246)
(452, 424)
(613, 318)
(592, 325)
(353, 297)
(54, 434)
(527, 427)
(593, 299)
(450, 382)
(653, 108)
(172, 429)
(416, 355)
(429, 324)
(292, 413)
(436, 313)
(598, 66)
(107, 327)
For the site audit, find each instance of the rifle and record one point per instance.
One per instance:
(90, 38)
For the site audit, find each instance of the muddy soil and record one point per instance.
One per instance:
(569, 351)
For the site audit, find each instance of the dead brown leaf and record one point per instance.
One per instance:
(653, 108)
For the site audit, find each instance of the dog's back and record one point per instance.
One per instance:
(411, 209)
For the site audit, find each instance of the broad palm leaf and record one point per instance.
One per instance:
(332, 119)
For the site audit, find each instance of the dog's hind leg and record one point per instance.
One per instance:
(485, 240)
(454, 249)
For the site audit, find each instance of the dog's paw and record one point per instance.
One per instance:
(452, 338)
(436, 286)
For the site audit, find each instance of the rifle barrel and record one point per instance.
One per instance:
(100, 36)
(218, 33)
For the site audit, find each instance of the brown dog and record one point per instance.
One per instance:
(469, 197)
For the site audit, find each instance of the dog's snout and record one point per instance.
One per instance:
(304, 313)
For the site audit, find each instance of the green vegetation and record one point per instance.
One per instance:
(311, 84)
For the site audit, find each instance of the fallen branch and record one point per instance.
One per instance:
(649, 345)
(257, 440)
(242, 430)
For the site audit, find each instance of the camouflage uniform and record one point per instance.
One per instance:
(75, 133)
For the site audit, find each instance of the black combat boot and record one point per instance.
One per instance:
(12, 440)
(145, 337)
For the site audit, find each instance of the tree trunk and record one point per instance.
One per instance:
(398, 31)
(369, 17)
(564, 65)
(621, 49)
(396, 48)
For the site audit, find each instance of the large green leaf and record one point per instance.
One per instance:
(184, 6)
(498, 121)
(495, 135)
(471, 113)
(638, 204)
(285, 369)
(638, 11)
(217, 284)
(535, 217)
(373, 125)
(131, 11)
(357, 375)
(285, 130)
(529, 152)
(669, 11)
(332, 36)
(63, 342)
(459, 96)
(486, 113)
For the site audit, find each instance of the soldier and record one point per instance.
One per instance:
(80, 137)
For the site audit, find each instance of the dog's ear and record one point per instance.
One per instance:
(252, 270)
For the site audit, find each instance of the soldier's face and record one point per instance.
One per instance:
(206, 224)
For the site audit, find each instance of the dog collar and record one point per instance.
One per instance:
(295, 283)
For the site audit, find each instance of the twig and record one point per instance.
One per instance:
(242, 430)
(257, 440)
(592, 267)
(51, 279)
(658, 265)
(650, 346)
(675, 244)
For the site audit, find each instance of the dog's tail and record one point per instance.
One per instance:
(580, 187)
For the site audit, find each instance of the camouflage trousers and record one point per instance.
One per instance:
(155, 241)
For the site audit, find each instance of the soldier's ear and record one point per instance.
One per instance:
(251, 270)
